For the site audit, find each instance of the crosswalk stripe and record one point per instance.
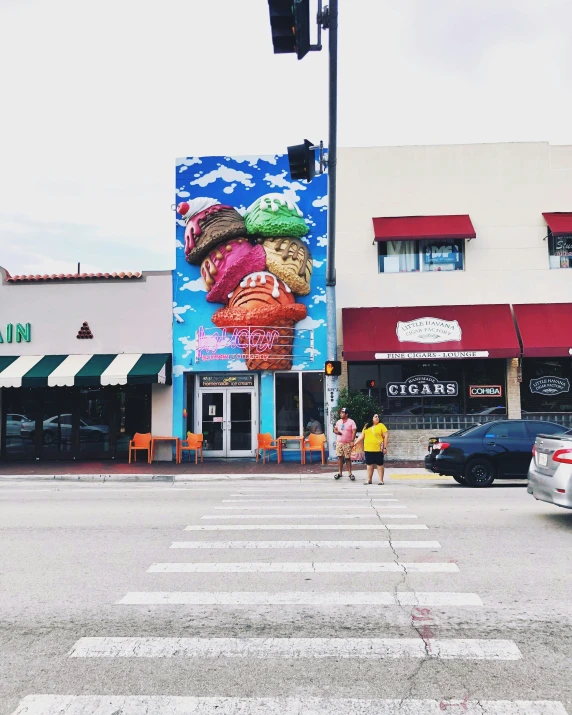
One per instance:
(305, 545)
(295, 500)
(308, 506)
(303, 567)
(305, 527)
(158, 647)
(185, 705)
(311, 516)
(299, 598)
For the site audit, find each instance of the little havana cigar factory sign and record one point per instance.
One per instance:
(422, 386)
(550, 385)
(428, 331)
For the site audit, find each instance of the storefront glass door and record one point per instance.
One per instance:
(227, 422)
(96, 422)
(58, 431)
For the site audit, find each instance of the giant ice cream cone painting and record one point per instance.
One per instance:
(249, 289)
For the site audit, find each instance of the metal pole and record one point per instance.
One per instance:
(332, 390)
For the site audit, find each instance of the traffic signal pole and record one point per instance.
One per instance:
(332, 389)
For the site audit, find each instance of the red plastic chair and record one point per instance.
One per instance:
(140, 442)
(266, 443)
(315, 443)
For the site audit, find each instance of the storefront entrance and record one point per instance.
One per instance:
(73, 423)
(227, 414)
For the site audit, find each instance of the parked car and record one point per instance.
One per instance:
(14, 424)
(478, 455)
(550, 471)
(63, 423)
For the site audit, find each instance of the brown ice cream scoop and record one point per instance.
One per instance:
(290, 260)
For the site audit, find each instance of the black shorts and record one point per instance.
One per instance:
(374, 458)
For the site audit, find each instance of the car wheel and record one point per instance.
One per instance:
(460, 480)
(479, 473)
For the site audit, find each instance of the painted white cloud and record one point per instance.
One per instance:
(229, 189)
(183, 194)
(226, 174)
(253, 160)
(301, 366)
(236, 365)
(312, 352)
(281, 181)
(309, 323)
(317, 264)
(178, 370)
(321, 298)
(180, 244)
(188, 161)
(322, 240)
(194, 286)
(305, 239)
(321, 203)
(189, 345)
(241, 210)
(180, 310)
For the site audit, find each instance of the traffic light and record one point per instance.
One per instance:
(290, 26)
(333, 367)
(370, 384)
(302, 161)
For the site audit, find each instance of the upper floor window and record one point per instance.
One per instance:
(412, 256)
(560, 251)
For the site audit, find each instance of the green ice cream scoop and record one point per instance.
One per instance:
(275, 215)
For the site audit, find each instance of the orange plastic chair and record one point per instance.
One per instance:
(266, 443)
(315, 443)
(140, 442)
(193, 443)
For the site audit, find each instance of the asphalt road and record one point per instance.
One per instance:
(470, 615)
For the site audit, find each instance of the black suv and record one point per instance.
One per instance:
(479, 454)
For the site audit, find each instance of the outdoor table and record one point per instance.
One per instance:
(164, 439)
(295, 438)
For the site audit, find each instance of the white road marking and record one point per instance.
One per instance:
(311, 516)
(305, 545)
(304, 527)
(184, 705)
(299, 598)
(303, 567)
(157, 647)
(295, 500)
(308, 506)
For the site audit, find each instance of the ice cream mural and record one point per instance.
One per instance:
(249, 285)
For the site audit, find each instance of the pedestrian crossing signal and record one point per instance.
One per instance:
(333, 367)
(370, 384)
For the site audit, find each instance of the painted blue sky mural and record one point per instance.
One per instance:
(240, 182)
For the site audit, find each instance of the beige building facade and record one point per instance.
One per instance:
(454, 284)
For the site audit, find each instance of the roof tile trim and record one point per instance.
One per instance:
(70, 277)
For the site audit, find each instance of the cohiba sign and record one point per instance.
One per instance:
(16, 333)
(485, 390)
(550, 385)
(428, 331)
(424, 386)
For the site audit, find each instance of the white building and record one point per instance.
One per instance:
(85, 362)
(453, 266)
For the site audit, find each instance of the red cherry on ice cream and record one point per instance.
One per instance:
(183, 207)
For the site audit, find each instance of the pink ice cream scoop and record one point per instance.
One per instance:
(226, 265)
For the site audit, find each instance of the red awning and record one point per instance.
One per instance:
(409, 228)
(560, 224)
(545, 329)
(429, 332)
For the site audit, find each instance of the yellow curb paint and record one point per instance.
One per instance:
(393, 477)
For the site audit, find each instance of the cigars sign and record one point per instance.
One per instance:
(249, 285)
(422, 386)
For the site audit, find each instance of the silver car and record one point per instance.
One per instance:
(550, 471)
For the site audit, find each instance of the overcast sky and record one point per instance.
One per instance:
(98, 99)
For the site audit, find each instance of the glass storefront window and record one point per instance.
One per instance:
(463, 373)
(560, 251)
(412, 256)
(546, 385)
(299, 403)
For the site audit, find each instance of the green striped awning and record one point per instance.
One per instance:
(85, 370)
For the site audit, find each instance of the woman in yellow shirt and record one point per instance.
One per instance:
(374, 437)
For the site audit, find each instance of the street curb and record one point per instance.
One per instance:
(172, 478)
